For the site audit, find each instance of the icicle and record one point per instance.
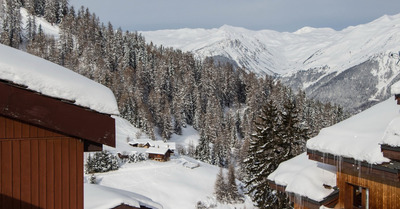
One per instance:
(340, 163)
(299, 200)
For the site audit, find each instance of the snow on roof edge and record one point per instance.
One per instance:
(358, 137)
(52, 80)
(305, 177)
(157, 150)
(395, 88)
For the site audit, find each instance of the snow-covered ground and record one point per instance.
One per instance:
(48, 28)
(177, 184)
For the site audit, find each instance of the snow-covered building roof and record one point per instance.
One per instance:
(305, 177)
(392, 133)
(53, 80)
(395, 88)
(157, 150)
(99, 197)
(360, 136)
(162, 144)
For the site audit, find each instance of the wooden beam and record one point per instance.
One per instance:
(390, 152)
(381, 173)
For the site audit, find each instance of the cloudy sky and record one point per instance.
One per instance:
(280, 15)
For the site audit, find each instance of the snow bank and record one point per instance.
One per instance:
(53, 80)
(360, 136)
(99, 197)
(305, 177)
(168, 183)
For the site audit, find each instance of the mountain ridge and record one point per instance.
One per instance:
(301, 54)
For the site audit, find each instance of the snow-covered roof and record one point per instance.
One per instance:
(395, 88)
(53, 80)
(360, 136)
(162, 144)
(157, 150)
(99, 197)
(392, 134)
(305, 177)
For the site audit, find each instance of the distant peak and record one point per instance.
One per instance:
(304, 30)
(308, 29)
(232, 28)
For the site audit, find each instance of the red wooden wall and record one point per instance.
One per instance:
(382, 195)
(39, 168)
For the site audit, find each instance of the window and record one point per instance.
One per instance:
(360, 196)
(357, 196)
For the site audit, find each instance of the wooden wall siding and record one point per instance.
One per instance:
(381, 195)
(159, 157)
(39, 168)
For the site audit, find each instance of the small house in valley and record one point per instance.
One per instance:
(159, 153)
(49, 116)
(364, 152)
(150, 143)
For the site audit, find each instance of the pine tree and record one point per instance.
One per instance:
(101, 162)
(11, 28)
(220, 188)
(203, 152)
(233, 193)
(264, 157)
(294, 133)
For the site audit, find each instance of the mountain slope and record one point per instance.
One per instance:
(313, 59)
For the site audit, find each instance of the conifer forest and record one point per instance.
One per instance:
(245, 120)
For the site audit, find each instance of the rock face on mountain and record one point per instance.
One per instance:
(351, 67)
(355, 88)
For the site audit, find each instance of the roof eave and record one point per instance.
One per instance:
(56, 115)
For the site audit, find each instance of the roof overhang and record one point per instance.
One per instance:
(329, 201)
(57, 115)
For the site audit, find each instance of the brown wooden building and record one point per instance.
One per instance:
(363, 185)
(159, 154)
(42, 140)
(373, 181)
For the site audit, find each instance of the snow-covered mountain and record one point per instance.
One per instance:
(351, 67)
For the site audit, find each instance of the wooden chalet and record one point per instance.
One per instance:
(159, 154)
(365, 150)
(42, 140)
